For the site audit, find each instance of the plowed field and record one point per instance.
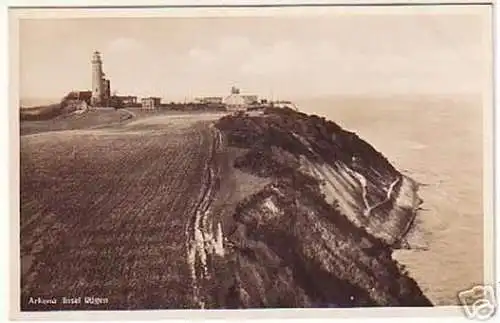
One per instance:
(104, 212)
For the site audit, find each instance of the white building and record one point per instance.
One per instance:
(150, 103)
(210, 100)
(235, 101)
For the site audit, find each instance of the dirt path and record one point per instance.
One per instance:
(369, 208)
(202, 241)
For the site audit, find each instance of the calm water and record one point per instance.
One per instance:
(437, 142)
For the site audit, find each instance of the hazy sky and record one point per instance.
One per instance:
(290, 57)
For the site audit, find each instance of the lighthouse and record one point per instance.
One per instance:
(101, 89)
(97, 76)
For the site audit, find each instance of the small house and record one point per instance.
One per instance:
(150, 102)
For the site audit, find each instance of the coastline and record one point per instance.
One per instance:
(409, 199)
(394, 223)
(448, 228)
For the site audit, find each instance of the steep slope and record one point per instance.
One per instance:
(320, 232)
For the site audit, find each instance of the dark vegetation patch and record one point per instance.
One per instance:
(277, 140)
(67, 104)
(328, 141)
(86, 120)
(304, 252)
(309, 255)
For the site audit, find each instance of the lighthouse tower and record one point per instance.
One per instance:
(97, 80)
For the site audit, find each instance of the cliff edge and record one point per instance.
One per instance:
(317, 223)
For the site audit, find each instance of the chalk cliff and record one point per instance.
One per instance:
(319, 227)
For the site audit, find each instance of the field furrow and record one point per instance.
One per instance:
(103, 214)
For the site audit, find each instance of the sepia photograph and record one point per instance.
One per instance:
(253, 158)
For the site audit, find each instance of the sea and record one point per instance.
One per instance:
(33, 102)
(438, 141)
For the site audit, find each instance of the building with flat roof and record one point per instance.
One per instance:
(85, 96)
(210, 100)
(237, 101)
(127, 100)
(150, 102)
(250, 99)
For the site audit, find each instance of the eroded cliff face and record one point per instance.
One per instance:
(318, 227)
